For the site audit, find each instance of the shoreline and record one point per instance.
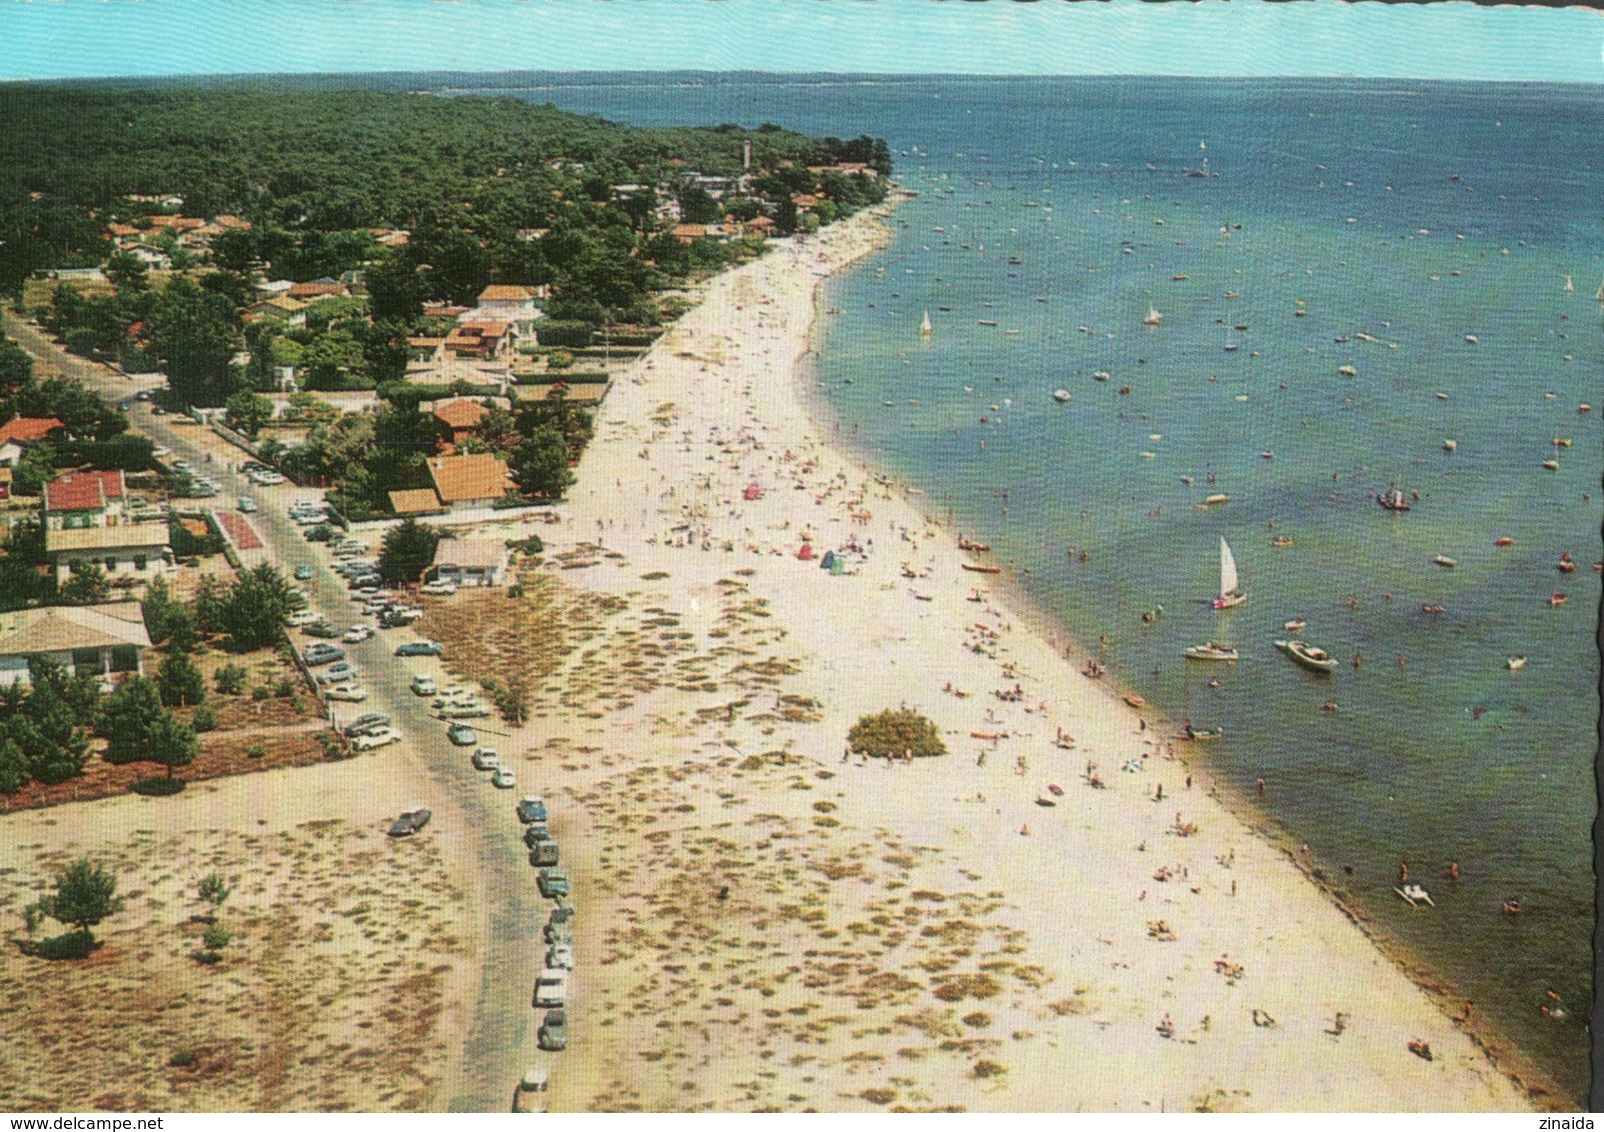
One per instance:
(730, 387)
(1012, 594)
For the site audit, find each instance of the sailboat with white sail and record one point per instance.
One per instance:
(925, 329)
(1230, 591)
(1600, 295)
(1153, 317)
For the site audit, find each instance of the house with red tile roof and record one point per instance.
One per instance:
(17, 434)
(461, 415)
(472, 481)
(85, 524)
(484, 341)
(314, 291)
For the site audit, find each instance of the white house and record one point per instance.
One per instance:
(86, 524)
(96, 639)
(510, 304)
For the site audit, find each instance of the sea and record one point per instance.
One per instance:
(1345, 276)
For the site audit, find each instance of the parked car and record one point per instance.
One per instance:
(553, 1032)
(462, 735)
(423, 685)
(403, 616)
(247, 504)
(530, 1095)
(553, 883)
(536, 832)
(544, 855)
(503, 779)
(410, 822)
(439, 589)
(320, 629)
(320, 533)
(356, 634)
(464, 709)
(420, 648)
(371, 740)
(302, 617)
(321, 653)
(338, 673)
(368, 722)
(551, 989)
(350, 693)
(560, 925)
(532, 808)
(560, 956)
(303, 572)
(486, 759)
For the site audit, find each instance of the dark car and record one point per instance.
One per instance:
(535, 833)
(544, 854)
(532, 807)
(320, 533)
(303, 572)
(553, 1033)
(365, 723)
(322, 654)
(553, 883)
(560, 927)
(320, 629)
(419, 648)
(410, 822)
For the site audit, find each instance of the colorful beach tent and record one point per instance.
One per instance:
(806, 553)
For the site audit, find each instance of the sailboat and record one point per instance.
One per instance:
(1393, 500)
(1600, 295)
(1153, 317)
(1569, 286)
(1230, 593)
(924, 327)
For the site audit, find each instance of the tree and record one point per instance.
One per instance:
(87, 586)
(540, 464)
(697, 207)
(192, 332)
(16, 367)
(14, 771)
(229, 680)
(395, 289)
(891, 734)
(85, 895)
(129, 718)
(248, 412)
(127, 272)
(181, 682)
(173, 743)
(407, 551)
(253, 612)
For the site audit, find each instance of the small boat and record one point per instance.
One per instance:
(1557, 599)
(1060, 395)
(1203, 734)
(1444, 561)
(1600, 295)
(987, 321)
(1566, 564)
(1562, 442)
(1296, 625)
(1135, 701)
(1415, 895)
(1506, 541)
(966, 544)
(1219, 498)
(1570, 287)
(1211, 651)
(1393, 500)
(1100, 375)
(1153, 317)
(1450, 445)
(1230, 592)
(1302, 653)
(1515, 663)
(1267, 455)
(1348, 371)
(979, 569)
(1551, 465)
(925, 328)
(1281, 540)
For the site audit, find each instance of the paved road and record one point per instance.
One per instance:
(501, 1037)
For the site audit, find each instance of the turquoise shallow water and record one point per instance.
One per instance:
(1416, 214)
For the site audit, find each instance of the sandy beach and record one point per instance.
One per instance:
(1057, 915)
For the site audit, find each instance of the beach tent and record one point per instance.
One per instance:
(753, 491)
(838, 566)
(828, 561)
(806, 553)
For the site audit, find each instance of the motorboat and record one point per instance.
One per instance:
(1444, 561)
(1211, 651)
(1450, 445)
(1393, 500)
(1230, 592)
(1551, 465)
(1308, 656)
(1296, 625)
(1281, 540)
(1060, 395)
(1219, 497)
(1515, 663)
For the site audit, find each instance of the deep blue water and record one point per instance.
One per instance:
(1415, 213)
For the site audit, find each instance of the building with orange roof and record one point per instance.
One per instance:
(484, 341)
(85, 525)
(415, 501)
(85, 499)
(461, 415)
(19, 433)
(476, 480)
(314, 291)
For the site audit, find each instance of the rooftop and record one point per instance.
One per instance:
(57, 628)
(460, 412)
(470, 553)
(459, 478)
(83, 491)
(414, 501)
(29, 429)
(124, 536)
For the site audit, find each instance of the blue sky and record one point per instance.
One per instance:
(1454, 40)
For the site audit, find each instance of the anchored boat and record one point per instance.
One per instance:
(1211, 651)
(1308, 656)
(1230, 593)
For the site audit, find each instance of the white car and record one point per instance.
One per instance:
(351, 693)
(302, 617)
(423, 685)
(356, 634)
(384, 736)
(486, 759)
(440, 589)
(504, 779)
